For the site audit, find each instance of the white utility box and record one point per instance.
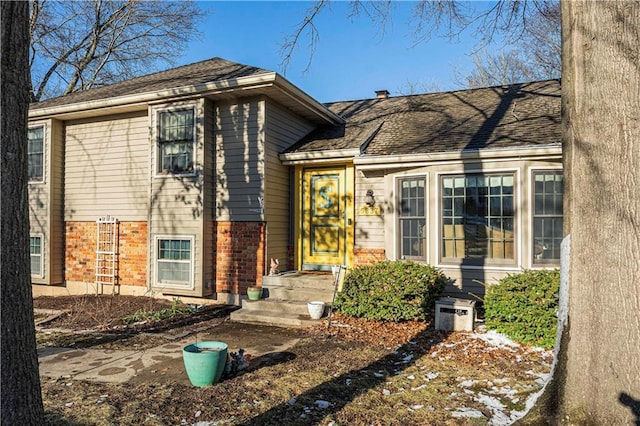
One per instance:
(455, 314)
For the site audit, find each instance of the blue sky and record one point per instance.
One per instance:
(353, 57)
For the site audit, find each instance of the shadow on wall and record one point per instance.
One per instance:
(633, 404)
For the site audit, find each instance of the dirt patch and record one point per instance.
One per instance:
(356, 372)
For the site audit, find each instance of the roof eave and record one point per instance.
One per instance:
(140, 101)
(373, 162)
(294, 158)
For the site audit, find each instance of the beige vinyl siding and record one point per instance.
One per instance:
(370, 230)
(239, 158)
(56, 212)
(107, 168)
(177, 200)
(208, 197)
(283, 130)
(40, 205)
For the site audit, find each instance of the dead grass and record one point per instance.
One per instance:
(359, 373)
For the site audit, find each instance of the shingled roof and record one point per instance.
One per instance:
(208, 71)
(518, 115)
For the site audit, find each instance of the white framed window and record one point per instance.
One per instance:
(35, 154)
(478, 218)
(412, 218)
(35, 252)
(548, 190)
(176, 141)
(174, 261)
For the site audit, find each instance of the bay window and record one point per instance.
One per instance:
(547, 216)
(478, 218)
(413, 234)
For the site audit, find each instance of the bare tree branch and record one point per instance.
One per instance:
(83, 44)
(306, 26)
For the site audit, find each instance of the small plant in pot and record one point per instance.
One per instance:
(254, 292)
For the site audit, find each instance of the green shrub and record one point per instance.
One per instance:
(391, 291)
(524, 306)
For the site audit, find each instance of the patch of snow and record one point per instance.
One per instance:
(378, 374)
(419, 387)
(496, 339)
(411, 377)
(491, 402)
(386, 392)
(467, 412)
(467, 383)
(416, 407)
(292, 401)
(347, 382)
(431, 376)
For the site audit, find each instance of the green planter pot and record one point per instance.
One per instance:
(254, 293)
(205, 362)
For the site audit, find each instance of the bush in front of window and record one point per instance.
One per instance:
(391, 291)
(524, 307)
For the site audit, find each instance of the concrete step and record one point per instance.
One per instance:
(274, 319)
(284, 300)
(299, 280)
(298, 294)
(278, 306)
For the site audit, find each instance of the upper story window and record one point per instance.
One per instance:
(413, 219)
(35, 154)
(478, 218)
(176, 140)
(547, 216)
(35, 251)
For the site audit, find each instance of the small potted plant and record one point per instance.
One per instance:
(254, 292)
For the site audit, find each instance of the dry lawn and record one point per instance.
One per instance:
(357, 373)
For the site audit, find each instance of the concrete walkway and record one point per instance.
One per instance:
(162, 363)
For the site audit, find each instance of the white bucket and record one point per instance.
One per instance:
(316, 309)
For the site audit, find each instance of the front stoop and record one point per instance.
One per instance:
(284, 300)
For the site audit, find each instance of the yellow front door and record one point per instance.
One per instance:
(326, 221)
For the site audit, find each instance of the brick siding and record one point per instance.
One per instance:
(368, 256)
(240, 256)
(80, 252)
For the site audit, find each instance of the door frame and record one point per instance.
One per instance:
(299, 219)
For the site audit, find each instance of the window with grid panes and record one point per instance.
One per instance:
(176, 140)
(174, 261)
(478, 217)
(35, 252)
(412, 217)
(35, 154)
(547, 216)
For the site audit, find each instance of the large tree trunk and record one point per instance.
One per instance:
(601, 119)
(21, 400)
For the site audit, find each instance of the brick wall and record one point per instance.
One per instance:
(368, 256)
(133, 253)
(240, 256)
(80, 252)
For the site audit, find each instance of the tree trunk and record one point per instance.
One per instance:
(21, 399)
(599, 379)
